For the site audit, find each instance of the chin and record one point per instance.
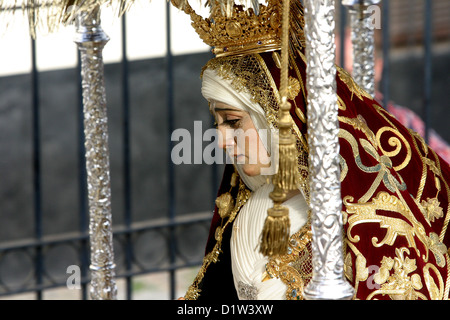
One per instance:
(251, 170)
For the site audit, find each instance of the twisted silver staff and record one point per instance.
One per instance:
(91, 39)
(362, 35)
(328, 280)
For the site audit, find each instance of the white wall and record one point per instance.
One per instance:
(146, 38)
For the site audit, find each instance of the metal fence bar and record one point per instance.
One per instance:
(36, 131)
(171, 169)
(127, 186)
(385, 77)
(79, 236)
(428, 67)
(342, 34)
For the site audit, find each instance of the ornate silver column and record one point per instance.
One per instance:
(362, 30)
(91, 39)
(328, 280)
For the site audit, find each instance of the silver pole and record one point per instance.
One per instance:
(328, 280)
(91, 39)
(362, 30)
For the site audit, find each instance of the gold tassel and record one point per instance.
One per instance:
(287, 175)
(275, 234)
(276, 230)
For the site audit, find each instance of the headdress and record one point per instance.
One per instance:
(238, 29)
(238, 33)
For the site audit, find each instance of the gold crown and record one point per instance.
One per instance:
(237, 30)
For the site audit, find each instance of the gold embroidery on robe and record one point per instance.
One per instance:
(403, 284)
(382, 169)
(294, 268)
(354, 88)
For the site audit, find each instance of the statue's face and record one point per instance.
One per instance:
(240, 139)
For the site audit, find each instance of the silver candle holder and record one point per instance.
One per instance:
(362, 35)
(91, 39)
(328, 281)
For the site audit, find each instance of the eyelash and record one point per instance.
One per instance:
(229, 123)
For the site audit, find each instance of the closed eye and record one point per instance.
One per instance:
(234, 123)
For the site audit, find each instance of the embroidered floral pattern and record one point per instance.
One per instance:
(432, 209)
(401, 285)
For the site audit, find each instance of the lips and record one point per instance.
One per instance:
(240, 158)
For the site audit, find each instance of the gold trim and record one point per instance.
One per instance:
(249, 48)
(193, 291)
(295, 268)
(447, 285)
